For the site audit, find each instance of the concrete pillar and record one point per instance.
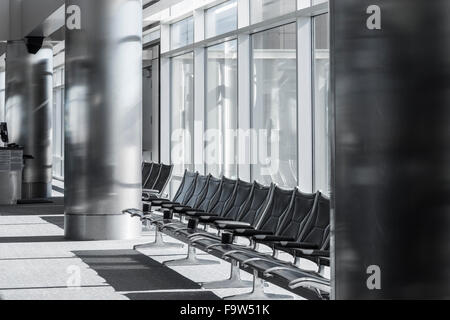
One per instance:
(103, 143)
(29, 100)
(391, 183)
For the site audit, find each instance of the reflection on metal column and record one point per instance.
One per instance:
(103, 146)
(391, 149)
(29, 100)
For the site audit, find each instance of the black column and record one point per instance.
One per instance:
(391, 149)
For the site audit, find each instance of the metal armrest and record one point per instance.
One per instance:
(134, 213)
(270, 238)
(245, 232)
(199, 234)
(268, 272)
(313, 253)
(199, 214)
(150, 191)
(167, 225)
(297, 245)
(204, 236)
(159, 202)
(210, 219)
(170, 205)
(243, 250)
(311, 283)
(230, 224)
(262, 258)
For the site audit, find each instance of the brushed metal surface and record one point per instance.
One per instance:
(103, 129)
(29, 100)
(391, 180)
(101, 227)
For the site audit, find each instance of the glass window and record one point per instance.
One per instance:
(221, 110)
(182, 113)
(151, 36)
(274, 106)
(321, 90)
(58, 122)
(261, 10)
(221, 19)
(182, 33)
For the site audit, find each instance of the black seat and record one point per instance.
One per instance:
(182, 196)
(292, 225)
(146, 170)
(316, 233)
(208, 201)
(197, 193)
(311, 243)
(233, 206)
(220, 200)
(294, 221)
(223, 197)
(297, 223)
(267, 207)
(272, 211)
(183, 193)
(249, 215)
(203, 202)
(234, 209)
(153, 176)
(160, 184)
(163, 178)
(298, 280)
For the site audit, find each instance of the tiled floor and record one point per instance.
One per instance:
(37, 263)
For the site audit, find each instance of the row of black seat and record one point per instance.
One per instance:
(155, 178)
(281, 220)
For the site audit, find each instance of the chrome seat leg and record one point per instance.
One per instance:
(258, 292)
(159, 243)
(234, 281)
(190, 260)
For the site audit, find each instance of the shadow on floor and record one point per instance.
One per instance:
(32, 239)
(131, 271)
(55, 208)
(55, 220)
(171, 296)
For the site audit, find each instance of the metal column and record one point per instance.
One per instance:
(391, 104)
(29, 100)
(103, 143)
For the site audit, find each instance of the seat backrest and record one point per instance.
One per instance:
(226, 191)
(280, 203)
(199, 190)
(326, 240)
(239, 198)
(151, 180)
(296, 218)
(206, 201)
(146, 170)
(317, 228)
(256, 204)
(163, 178)
(186, 187)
